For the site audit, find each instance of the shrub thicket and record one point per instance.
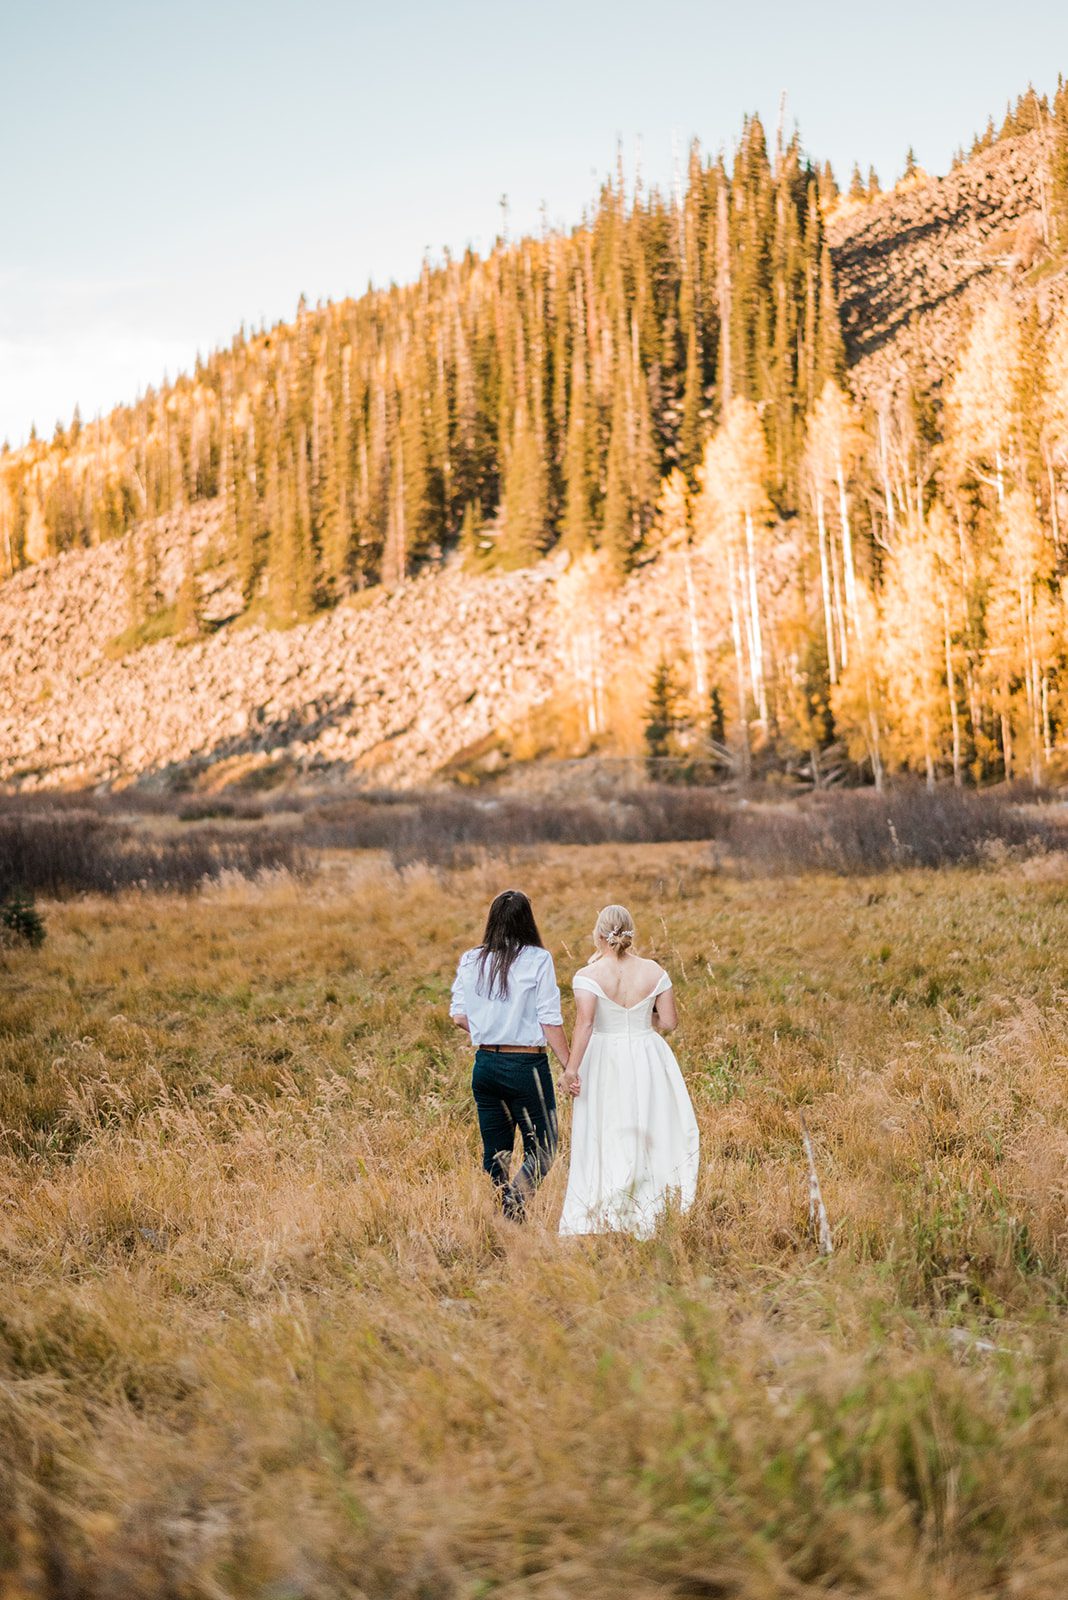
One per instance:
(67, 851)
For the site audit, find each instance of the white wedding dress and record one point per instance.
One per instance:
(634, 1138)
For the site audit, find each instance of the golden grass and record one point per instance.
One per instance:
(263, 1334)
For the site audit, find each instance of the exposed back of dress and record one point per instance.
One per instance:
(612, 1017)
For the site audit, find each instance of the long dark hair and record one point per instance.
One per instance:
(509, 927)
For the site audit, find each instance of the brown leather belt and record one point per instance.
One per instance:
(515, 1049)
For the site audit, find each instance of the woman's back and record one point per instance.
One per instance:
(625, 980)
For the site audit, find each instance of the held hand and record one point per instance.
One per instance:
(570, 1082)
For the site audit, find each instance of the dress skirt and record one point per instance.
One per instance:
(635, 1146)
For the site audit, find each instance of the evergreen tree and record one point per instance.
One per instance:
(1059, 164)
(693, 400)
(617, 524)
(830, 360)
(525, 503)
(662, 721)
(578, 487)
(475, 549)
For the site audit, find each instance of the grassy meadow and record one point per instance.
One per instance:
(263, 1334)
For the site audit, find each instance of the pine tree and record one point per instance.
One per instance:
(420, 516)
(1059, 164)
(693, 401)
(475, 549)
(577, 518)
(717, 717)
(617, 526)
(525, 502)
(830, 358)
(662, 720)
(828, 187)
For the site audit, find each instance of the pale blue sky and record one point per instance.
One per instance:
(172, 170)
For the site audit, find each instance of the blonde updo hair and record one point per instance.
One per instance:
(615, 926)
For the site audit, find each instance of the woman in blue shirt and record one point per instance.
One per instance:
(505, 995)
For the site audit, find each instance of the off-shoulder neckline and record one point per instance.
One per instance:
(581, 977)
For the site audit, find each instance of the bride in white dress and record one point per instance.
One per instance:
(634, 1138)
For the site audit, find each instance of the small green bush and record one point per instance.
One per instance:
(20, 918)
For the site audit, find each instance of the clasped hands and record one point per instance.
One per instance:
(570, 1082)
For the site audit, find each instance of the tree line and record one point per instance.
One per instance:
(505, 404)
(669, 376)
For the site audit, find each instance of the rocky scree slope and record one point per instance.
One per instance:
(913, 265)
(391, 688)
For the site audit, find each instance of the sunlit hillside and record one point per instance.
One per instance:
(778, 477)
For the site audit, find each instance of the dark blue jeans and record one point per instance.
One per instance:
(515, 1090)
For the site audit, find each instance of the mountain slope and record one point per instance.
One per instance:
(911, 266)
(390, 689)
(394, 684)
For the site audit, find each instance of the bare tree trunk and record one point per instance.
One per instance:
(1054, 514)
(1031, 682)
(759, 686)
(697, 649)
(839, 610)
(951, 690)
(739, 665)
(975, 705)
(884, 469)
(874, 738)
(599, 713)
(825, 588)
(847, 547)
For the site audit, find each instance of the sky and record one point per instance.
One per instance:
(170, 171)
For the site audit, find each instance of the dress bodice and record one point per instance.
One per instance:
(611, 1017)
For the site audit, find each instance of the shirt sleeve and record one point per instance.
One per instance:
(548, 994)
(458, 1005)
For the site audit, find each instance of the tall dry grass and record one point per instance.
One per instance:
(263, 1334)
